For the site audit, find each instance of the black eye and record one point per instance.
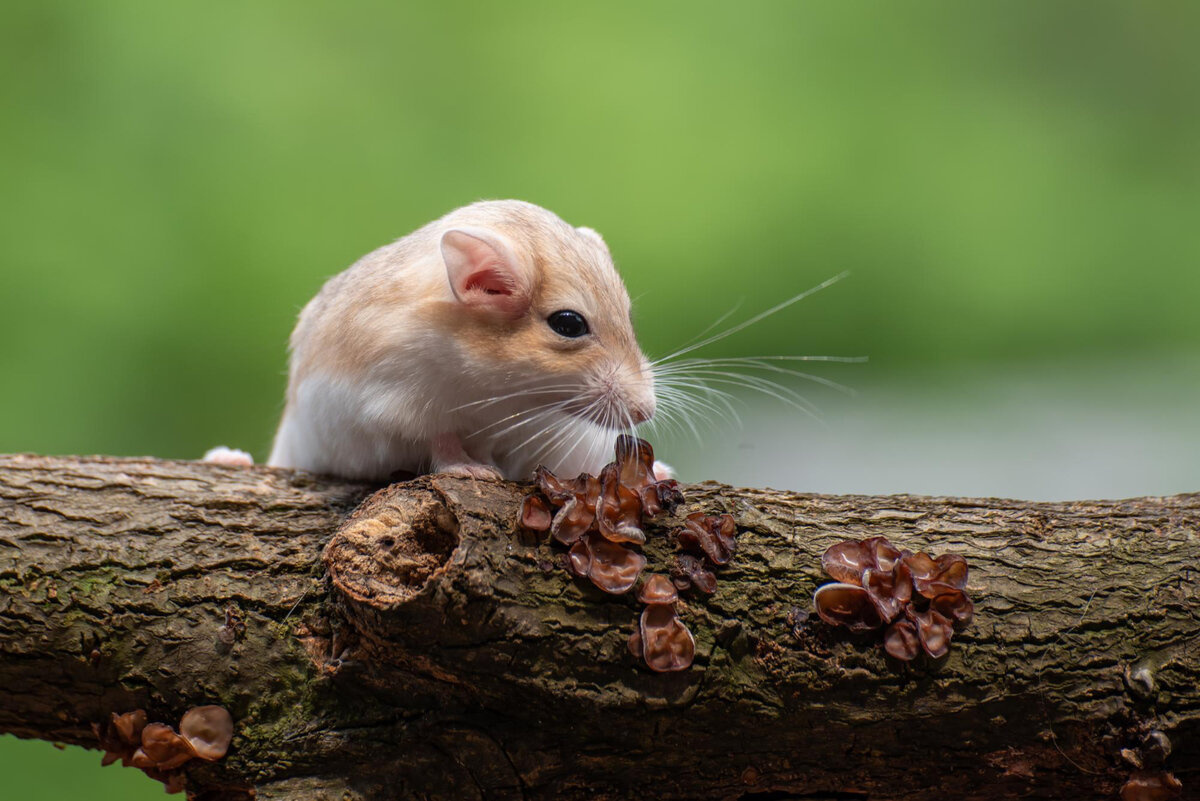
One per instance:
(568, 323)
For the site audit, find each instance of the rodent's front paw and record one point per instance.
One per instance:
(472, 470)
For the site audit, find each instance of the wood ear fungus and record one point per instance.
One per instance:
(922, 598)
(600, 519)
(710, 535)
(156, 748)
(208, 729)
(690, 571)
(535, 513)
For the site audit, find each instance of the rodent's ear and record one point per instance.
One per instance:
(484, 272)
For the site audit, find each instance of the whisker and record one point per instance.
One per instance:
(532, 391)
(546, 408)
(756, 318)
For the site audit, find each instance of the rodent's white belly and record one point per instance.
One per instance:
(373, 431)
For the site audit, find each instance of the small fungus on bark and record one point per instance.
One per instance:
(535, 513)
(710, 535)
(619, 511)
(162, 748)
(572, 521)
(690, 571)
(1151, 786)
(658, 589)
(667, 645)
(120, 736)
(846, 605)
(208, 729)
(901, 641)
(612, 567)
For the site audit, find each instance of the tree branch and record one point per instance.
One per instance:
(421, 648)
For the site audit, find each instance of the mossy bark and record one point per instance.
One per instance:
(421, 647)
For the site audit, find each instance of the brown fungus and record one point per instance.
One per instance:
(658, 589)
(612, 567)
(890, 591)
(847, 560)
(667, 645)
(689, 571)
(846, 605)
(934, 631)
(661, 496)
(535, 513)
(619, 510)
(635, 462)
(579, 558)
(209, 730)
(711, 535)
(927, 572)
(162, 748)
(954, 605)
(120, 736)
(553, 487)
(572, 521)
(1151, 786)
(922, 598)
(901, 641)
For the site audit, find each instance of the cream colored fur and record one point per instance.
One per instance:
(388, 360)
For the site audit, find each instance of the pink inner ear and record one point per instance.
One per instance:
(490, 281)
(484, 274)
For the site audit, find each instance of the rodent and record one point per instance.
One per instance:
(483, 344)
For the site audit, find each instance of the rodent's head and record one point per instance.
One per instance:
(539, 305)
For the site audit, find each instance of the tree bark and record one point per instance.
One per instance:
(422, 647)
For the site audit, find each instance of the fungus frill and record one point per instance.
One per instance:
(610, 566)
(535, 513)
(1150, 786)
(162, 748)
(662, 640)
(921, 600)
(846, 605)
(120, 736)
(690, 571)
(208, 729)
(710, 535)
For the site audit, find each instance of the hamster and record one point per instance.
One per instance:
(490, 341)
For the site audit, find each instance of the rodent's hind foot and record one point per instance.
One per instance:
(472, 470)
(228, 456)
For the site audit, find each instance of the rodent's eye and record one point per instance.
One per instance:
(568, 323)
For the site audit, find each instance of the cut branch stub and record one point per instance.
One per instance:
(386, 552)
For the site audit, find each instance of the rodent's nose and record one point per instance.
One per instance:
(641, 414)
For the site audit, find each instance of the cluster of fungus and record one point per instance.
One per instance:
(707, 542)
(599, 518)
(600, 521)
(159, 750)
(921, 600)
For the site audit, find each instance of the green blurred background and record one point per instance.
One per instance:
(1014, 187)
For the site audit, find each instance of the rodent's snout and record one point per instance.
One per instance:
(641, 412)
(621, 397)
